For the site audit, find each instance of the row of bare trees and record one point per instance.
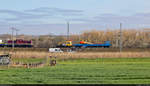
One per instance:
(132, 38)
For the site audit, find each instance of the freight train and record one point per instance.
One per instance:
(83, 44)
(17, 43)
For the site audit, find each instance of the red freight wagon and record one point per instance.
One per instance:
(19, 43)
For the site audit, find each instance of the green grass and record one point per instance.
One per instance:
(82, 71)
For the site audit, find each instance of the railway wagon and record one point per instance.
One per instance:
(84, 44)
(17, 43)
(106, 44)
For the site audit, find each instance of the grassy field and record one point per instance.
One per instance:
(81, 71)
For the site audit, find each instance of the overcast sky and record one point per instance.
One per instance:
(50, 16)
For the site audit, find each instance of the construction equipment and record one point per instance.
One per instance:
(65, 44)
(84, 42)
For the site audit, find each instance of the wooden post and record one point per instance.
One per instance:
(53, 61)
(27, 65)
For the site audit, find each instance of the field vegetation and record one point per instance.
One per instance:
(82, 71)
(79, 68)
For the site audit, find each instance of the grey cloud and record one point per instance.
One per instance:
(39, 13)
(139, 18)
(57, 11)
(46, 9)
(34, 24)
(12, 12)
(147, 15)
(17, 15)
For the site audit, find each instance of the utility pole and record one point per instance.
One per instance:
(116, 37)
(16, 33)
(144, 36)
(120, 37)
(67, 30)
(13, 37)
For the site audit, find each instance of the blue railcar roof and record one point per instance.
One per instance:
(90, 45)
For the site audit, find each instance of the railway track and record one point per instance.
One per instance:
(81, 50)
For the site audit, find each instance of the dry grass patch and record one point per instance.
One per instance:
(104, 55)
(29, 54)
